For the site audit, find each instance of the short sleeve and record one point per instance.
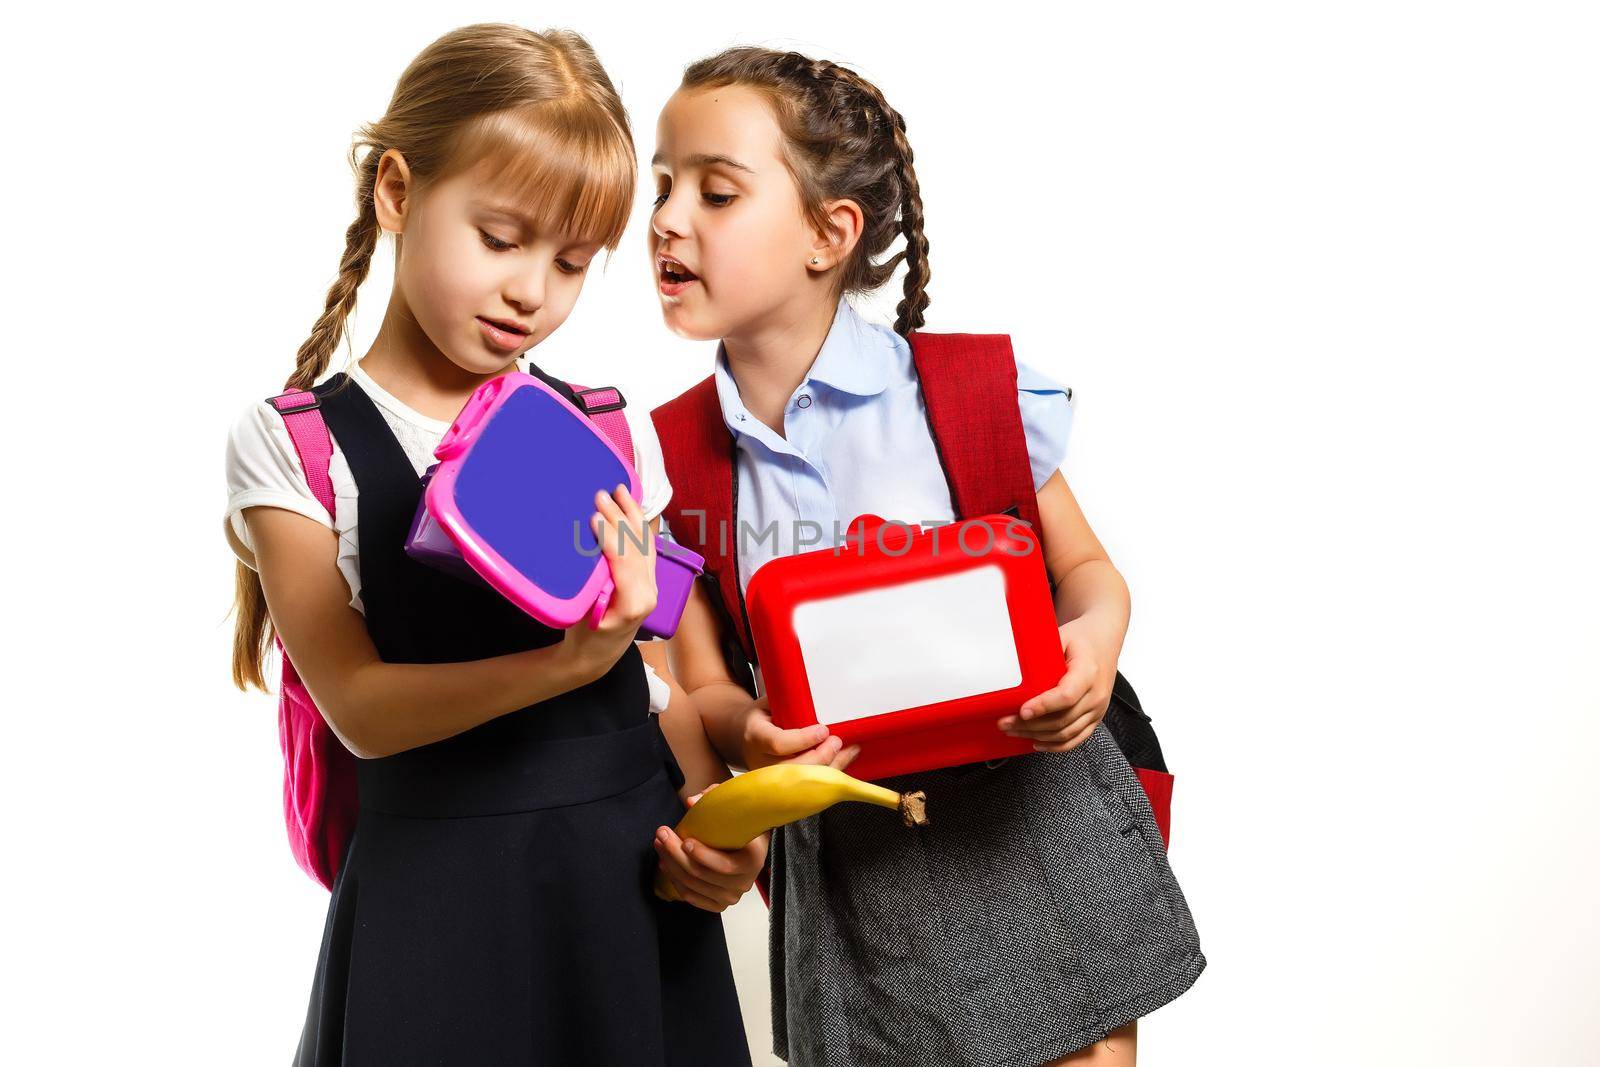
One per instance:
(1046, 421)
(263, 468)
(660, 692)
(654, 489)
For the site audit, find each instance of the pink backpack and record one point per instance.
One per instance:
(319, 773)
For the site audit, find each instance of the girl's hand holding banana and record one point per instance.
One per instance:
(739, 814)
(709, 878)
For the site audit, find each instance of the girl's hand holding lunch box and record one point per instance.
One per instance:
(1061, 719)
(629, 545)
(766, 744)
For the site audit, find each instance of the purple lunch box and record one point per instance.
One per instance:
(676, 566)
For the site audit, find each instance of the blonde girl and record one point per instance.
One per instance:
(494, 902)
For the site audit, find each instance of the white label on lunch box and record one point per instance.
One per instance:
(912, 644)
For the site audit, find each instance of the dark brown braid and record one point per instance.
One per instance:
(842, 140)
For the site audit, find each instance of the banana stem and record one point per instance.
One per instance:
(914, 808)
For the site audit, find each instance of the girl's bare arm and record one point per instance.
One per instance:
(739, 728)
(697, 665)
(377, 708)
(1092, 606)
(702, 766)
(1088, 589)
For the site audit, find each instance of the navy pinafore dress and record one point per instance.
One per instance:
(495, 904)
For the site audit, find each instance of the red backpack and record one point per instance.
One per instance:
(319, 773)
(969, 387)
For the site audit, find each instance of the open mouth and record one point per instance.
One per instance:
(673, 272)
(505, 336)
(504, 326)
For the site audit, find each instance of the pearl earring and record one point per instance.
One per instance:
(815, 261)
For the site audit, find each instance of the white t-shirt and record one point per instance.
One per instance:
(263, 469)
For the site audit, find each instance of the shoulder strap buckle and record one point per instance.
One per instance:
(296, 402)
(311, 440)
(600, 399)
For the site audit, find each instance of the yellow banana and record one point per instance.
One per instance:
(748, 805)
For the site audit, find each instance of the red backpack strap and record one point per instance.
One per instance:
(603, 404)
(303, 418)
(969, 385)
(699, 453)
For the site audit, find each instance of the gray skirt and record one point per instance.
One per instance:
(1034, 914)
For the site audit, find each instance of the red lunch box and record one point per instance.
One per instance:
(910, 642)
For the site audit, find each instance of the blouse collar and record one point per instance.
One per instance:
(856, 357)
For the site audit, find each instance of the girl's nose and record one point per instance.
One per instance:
(525, 290)
(668, 218)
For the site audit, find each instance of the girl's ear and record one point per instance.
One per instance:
(391, 191)
(844, 230)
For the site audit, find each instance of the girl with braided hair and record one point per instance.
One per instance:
(494, 903)
(1036, 918)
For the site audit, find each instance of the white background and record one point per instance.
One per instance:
(1322, 277)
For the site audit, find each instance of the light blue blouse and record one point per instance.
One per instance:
(856, 441)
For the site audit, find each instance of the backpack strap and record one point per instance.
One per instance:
(969, 388)
(302, 415)
(319, 784)
(603, 404)
(699, 452)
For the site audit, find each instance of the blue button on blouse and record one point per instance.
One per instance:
(856, 441)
